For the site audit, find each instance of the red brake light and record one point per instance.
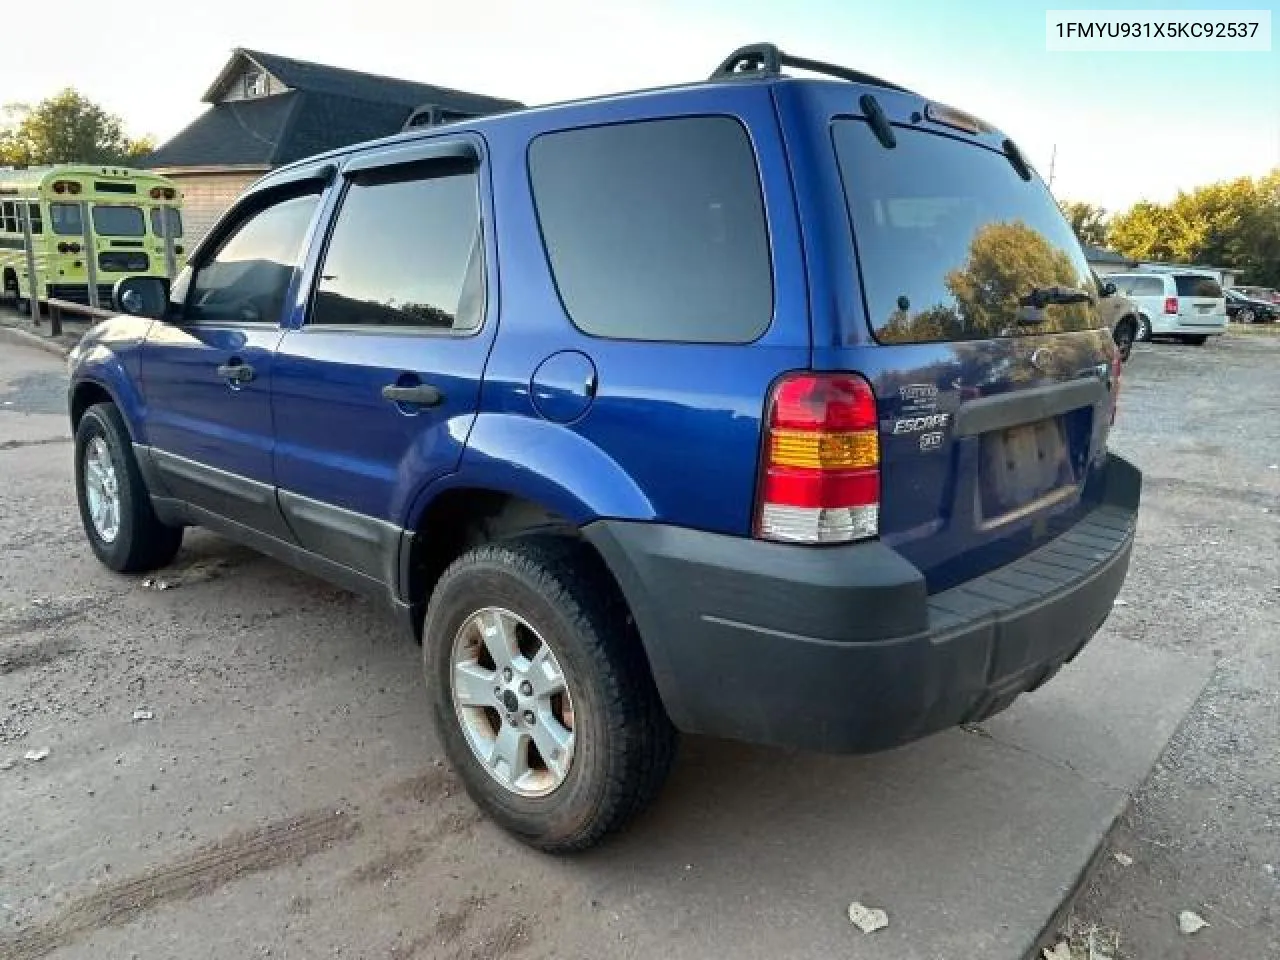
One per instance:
(820, 465)
(1170, 304)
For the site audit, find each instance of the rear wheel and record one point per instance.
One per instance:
(1195, 339)
(541, 693)
(1244, 316)
(1124, 335)
(115, 507)
(1144, 329)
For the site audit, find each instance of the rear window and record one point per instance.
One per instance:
(950, 239)
(655, 230)
(1139, 286)
(110, 221)
(173, 221)
(1197, 285)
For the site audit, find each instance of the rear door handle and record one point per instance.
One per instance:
(420, 394)
(236, 372)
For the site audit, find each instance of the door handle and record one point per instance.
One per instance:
(236, 372)
(420, 394)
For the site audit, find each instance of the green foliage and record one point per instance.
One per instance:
(1235, 223)
(1088, 222)
(66, 128)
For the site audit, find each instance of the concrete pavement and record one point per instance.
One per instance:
(288, 796)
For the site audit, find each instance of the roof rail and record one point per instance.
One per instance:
(767, 58)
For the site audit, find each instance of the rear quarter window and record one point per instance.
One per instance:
(655, 229)
(1194, 285)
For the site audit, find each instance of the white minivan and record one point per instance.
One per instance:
(1183, 304)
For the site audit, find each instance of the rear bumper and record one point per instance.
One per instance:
(1171, 323)
(842, 649)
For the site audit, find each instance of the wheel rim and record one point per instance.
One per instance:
(102, 490)
(512, 701)
(1246, 316)
(1144, 329)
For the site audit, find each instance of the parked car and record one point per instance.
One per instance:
(1260, 293)
(1119, 314)
(1184, 305)
(1243, 308)
(606, 402)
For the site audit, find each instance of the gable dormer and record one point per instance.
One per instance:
(243, 78)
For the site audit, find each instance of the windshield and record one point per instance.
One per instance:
(953, 244)
(65, 219)
(1197, 285)
(118, 221)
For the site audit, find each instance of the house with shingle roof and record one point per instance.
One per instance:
(266, 110)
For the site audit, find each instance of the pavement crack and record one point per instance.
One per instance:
(1036, 754)
(43, 442)
(196, 874)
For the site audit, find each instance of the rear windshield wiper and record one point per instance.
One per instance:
(1041, 297)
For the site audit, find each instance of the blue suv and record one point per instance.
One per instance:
(772, 408)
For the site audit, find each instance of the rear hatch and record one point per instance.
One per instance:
(992, 371)
(1201, 301)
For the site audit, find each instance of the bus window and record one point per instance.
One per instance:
(118, 221)
(174, 222)
(8, 218)
(65, 219)
(37, 222)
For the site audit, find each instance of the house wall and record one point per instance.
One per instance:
(206, 196)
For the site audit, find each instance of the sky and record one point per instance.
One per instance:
(1126, 126)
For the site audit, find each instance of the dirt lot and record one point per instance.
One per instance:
(279, 794)
(1204, 424)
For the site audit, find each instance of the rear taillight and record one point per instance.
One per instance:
(820, 464)
(1170, 304)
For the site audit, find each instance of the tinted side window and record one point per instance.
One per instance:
(8, 220)
(247, 278)
(1196, 285)
(655, 230)
(37, 221)
(405, 251)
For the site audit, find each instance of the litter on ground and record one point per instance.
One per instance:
(867, 919)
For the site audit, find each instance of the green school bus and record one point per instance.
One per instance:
(114, 218)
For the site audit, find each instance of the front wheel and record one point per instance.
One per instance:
(541, 694)
(115, 507)
(1244, 316)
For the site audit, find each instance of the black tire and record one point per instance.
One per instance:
(143, 542)
(1195, 339)
(624, 742)
(1245, 316)
(1124, 335)
(1144, 329)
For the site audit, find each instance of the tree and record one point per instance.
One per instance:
(1088, 222)
(1235, 223)
(67, 128)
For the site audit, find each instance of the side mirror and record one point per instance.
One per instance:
(1108, 289)
(141, 296)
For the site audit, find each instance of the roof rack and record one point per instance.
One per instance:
(768, 59)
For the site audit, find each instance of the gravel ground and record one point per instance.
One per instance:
(1204, 831)
(285, 747)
